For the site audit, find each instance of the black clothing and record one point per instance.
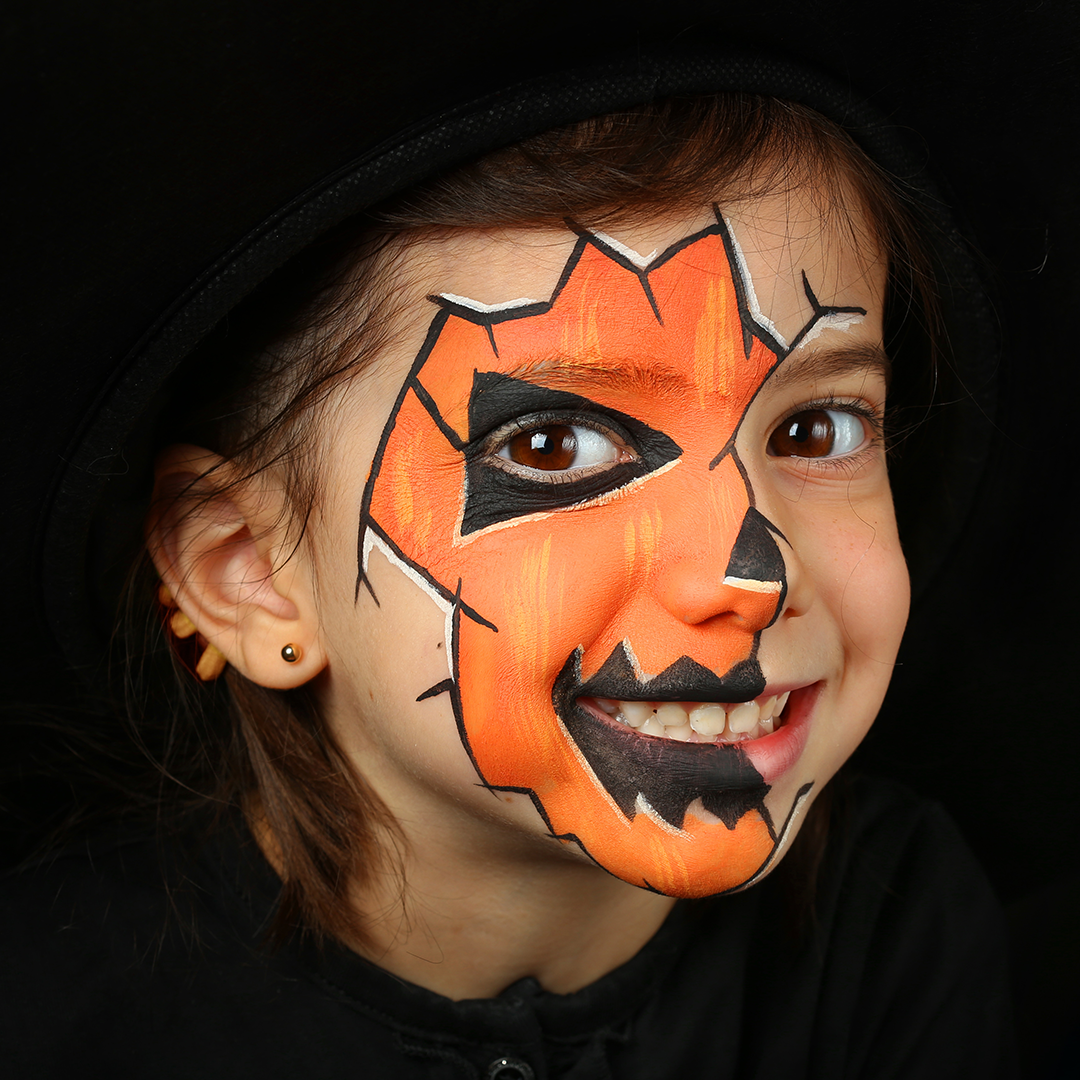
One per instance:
(168, 157)
(107, 974)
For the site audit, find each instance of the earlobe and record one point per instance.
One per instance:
(222, 547)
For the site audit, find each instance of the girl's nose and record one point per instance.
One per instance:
(745, 591)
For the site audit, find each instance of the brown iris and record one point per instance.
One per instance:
(550, 448)
(807, 434)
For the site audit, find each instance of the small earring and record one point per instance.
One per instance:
(291, 653)
(212, 662)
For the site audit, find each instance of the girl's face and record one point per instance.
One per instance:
(610, 555)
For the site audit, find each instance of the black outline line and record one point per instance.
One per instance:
(432, 336)
(436, 586)
(821, 311)
(751, 327)
(448, 433)
(741, 468)
(617, 257)
(800, 795)
(525, 311)
(439, 688)
(455, 690)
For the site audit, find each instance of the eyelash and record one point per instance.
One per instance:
(488, 447)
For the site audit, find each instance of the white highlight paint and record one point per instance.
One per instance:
(635, 663)
(486, 309)
(373, 542)
(839, 320)
(642, 806)
(639, 260)
(752, 585)
(748, 287)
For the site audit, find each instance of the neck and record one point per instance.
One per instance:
(479, 912)
(559, 919)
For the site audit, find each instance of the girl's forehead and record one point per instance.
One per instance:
(780, 238)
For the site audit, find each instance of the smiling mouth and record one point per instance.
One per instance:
(695, 721)
(663, 776)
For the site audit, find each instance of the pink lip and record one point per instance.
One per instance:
(772, 755)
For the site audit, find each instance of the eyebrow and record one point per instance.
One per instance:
(657, 380)
(650, 379)
(834, 361)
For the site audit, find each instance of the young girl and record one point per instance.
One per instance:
(525, 557)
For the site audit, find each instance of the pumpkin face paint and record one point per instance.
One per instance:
(567, 481)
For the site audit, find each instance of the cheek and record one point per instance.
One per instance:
(382, 658)
(550, 588)
(876, 593)
(864, 593)
(853, 557)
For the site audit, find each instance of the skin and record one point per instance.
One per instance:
(496, 888)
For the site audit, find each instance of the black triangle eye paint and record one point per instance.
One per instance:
(495, 494)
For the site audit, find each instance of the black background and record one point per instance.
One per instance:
(123, 117)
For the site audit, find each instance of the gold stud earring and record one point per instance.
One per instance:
(291, 653)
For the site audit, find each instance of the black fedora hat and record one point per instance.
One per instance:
(164, 158)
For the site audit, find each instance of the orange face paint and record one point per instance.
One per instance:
(562, 584)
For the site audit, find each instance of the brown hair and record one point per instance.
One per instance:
(328, 313)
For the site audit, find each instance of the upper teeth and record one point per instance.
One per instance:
(698, 721)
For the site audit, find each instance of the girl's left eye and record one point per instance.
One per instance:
(554, 448)
(818, 433)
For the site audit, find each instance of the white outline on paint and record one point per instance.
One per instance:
(372, 540)
(642, 262)
(476, 305)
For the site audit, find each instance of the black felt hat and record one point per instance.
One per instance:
(165, 158)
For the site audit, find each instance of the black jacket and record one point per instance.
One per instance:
(112, 971)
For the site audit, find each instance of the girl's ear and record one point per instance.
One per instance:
(222, 548)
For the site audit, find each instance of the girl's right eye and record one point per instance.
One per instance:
(560, 448)
(569, 452)
(818, 433)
